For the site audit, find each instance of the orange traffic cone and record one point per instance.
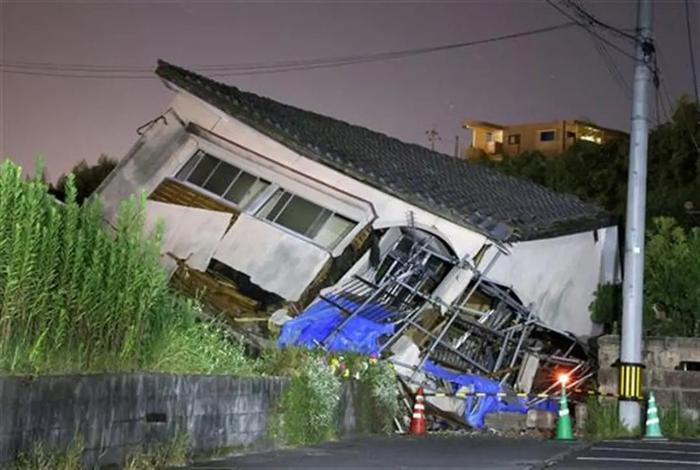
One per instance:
(418, 420)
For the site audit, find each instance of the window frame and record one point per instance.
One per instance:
(256, 205)
(540, 133)
(515, 138)
(200, 154)
(309, 238)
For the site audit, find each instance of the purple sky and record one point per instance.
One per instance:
(549, 76)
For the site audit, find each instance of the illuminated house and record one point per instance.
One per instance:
(550, 138)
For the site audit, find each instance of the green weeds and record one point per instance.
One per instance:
(308, 411)
(676, 424)
(603, 421)
(77, 297)
(42, 458)
(168, 454)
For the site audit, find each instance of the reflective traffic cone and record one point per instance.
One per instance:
(653, 427)
(418, 420)
(564, 431)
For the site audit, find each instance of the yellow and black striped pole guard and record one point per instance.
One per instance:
(630, 381)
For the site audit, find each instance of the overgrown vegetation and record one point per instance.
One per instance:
(603, 421)
(42, 458)
(308, 411)
(671, 287)
(675, 424)
(75, 297)
(163, 455)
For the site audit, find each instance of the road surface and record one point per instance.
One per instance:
(635, 454)
(403, 452)
(466, 452)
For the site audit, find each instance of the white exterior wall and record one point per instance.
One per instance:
(559, 276)
(189, 233)
(277, 261)
(390, 210)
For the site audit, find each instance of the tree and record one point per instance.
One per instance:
(87, 178)
(598, 173)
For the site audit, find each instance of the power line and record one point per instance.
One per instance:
(611, 66)
(683, 119)
(591, 30)
(135, 72)
(599, 44)
(690, 49)
(592, 20)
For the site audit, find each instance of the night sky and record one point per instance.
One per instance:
(549, 76)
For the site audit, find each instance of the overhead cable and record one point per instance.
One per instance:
(136, 72)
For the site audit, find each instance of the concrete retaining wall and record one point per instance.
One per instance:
(117, 413)
(668, 373)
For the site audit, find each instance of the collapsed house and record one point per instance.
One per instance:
(446, 267)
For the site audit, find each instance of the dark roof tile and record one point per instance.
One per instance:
(474, 196)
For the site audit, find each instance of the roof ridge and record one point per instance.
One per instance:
(437, 180)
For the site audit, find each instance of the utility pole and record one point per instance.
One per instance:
(633, 281)
(456, 146)
(433, 136)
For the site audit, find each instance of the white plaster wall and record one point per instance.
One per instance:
(189, 233)
(160, 149)
(274, 259)
(391, 211)
(559, 276)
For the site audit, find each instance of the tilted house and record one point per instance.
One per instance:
(265, 204)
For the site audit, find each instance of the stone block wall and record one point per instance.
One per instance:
(669, 364)
(117, 413)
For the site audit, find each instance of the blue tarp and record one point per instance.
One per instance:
(475, 413)
(361, 334)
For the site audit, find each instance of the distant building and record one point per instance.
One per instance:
(550, 138)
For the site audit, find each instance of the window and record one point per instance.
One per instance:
(489, 137)
(222, 179)
(514, 139)
(306, 218)
(548, 136)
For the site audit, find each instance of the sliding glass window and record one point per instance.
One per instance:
(306, 218)
(222, 179)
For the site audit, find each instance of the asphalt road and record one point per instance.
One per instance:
(635, 454)
(403, 452)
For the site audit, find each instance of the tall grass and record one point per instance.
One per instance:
(41, 457)
(676, 424)
(603, 421)
(75, 296)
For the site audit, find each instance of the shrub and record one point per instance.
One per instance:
(671, 283)
(383, 386)
(672, 279)
(606, 307)
(307, 411)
